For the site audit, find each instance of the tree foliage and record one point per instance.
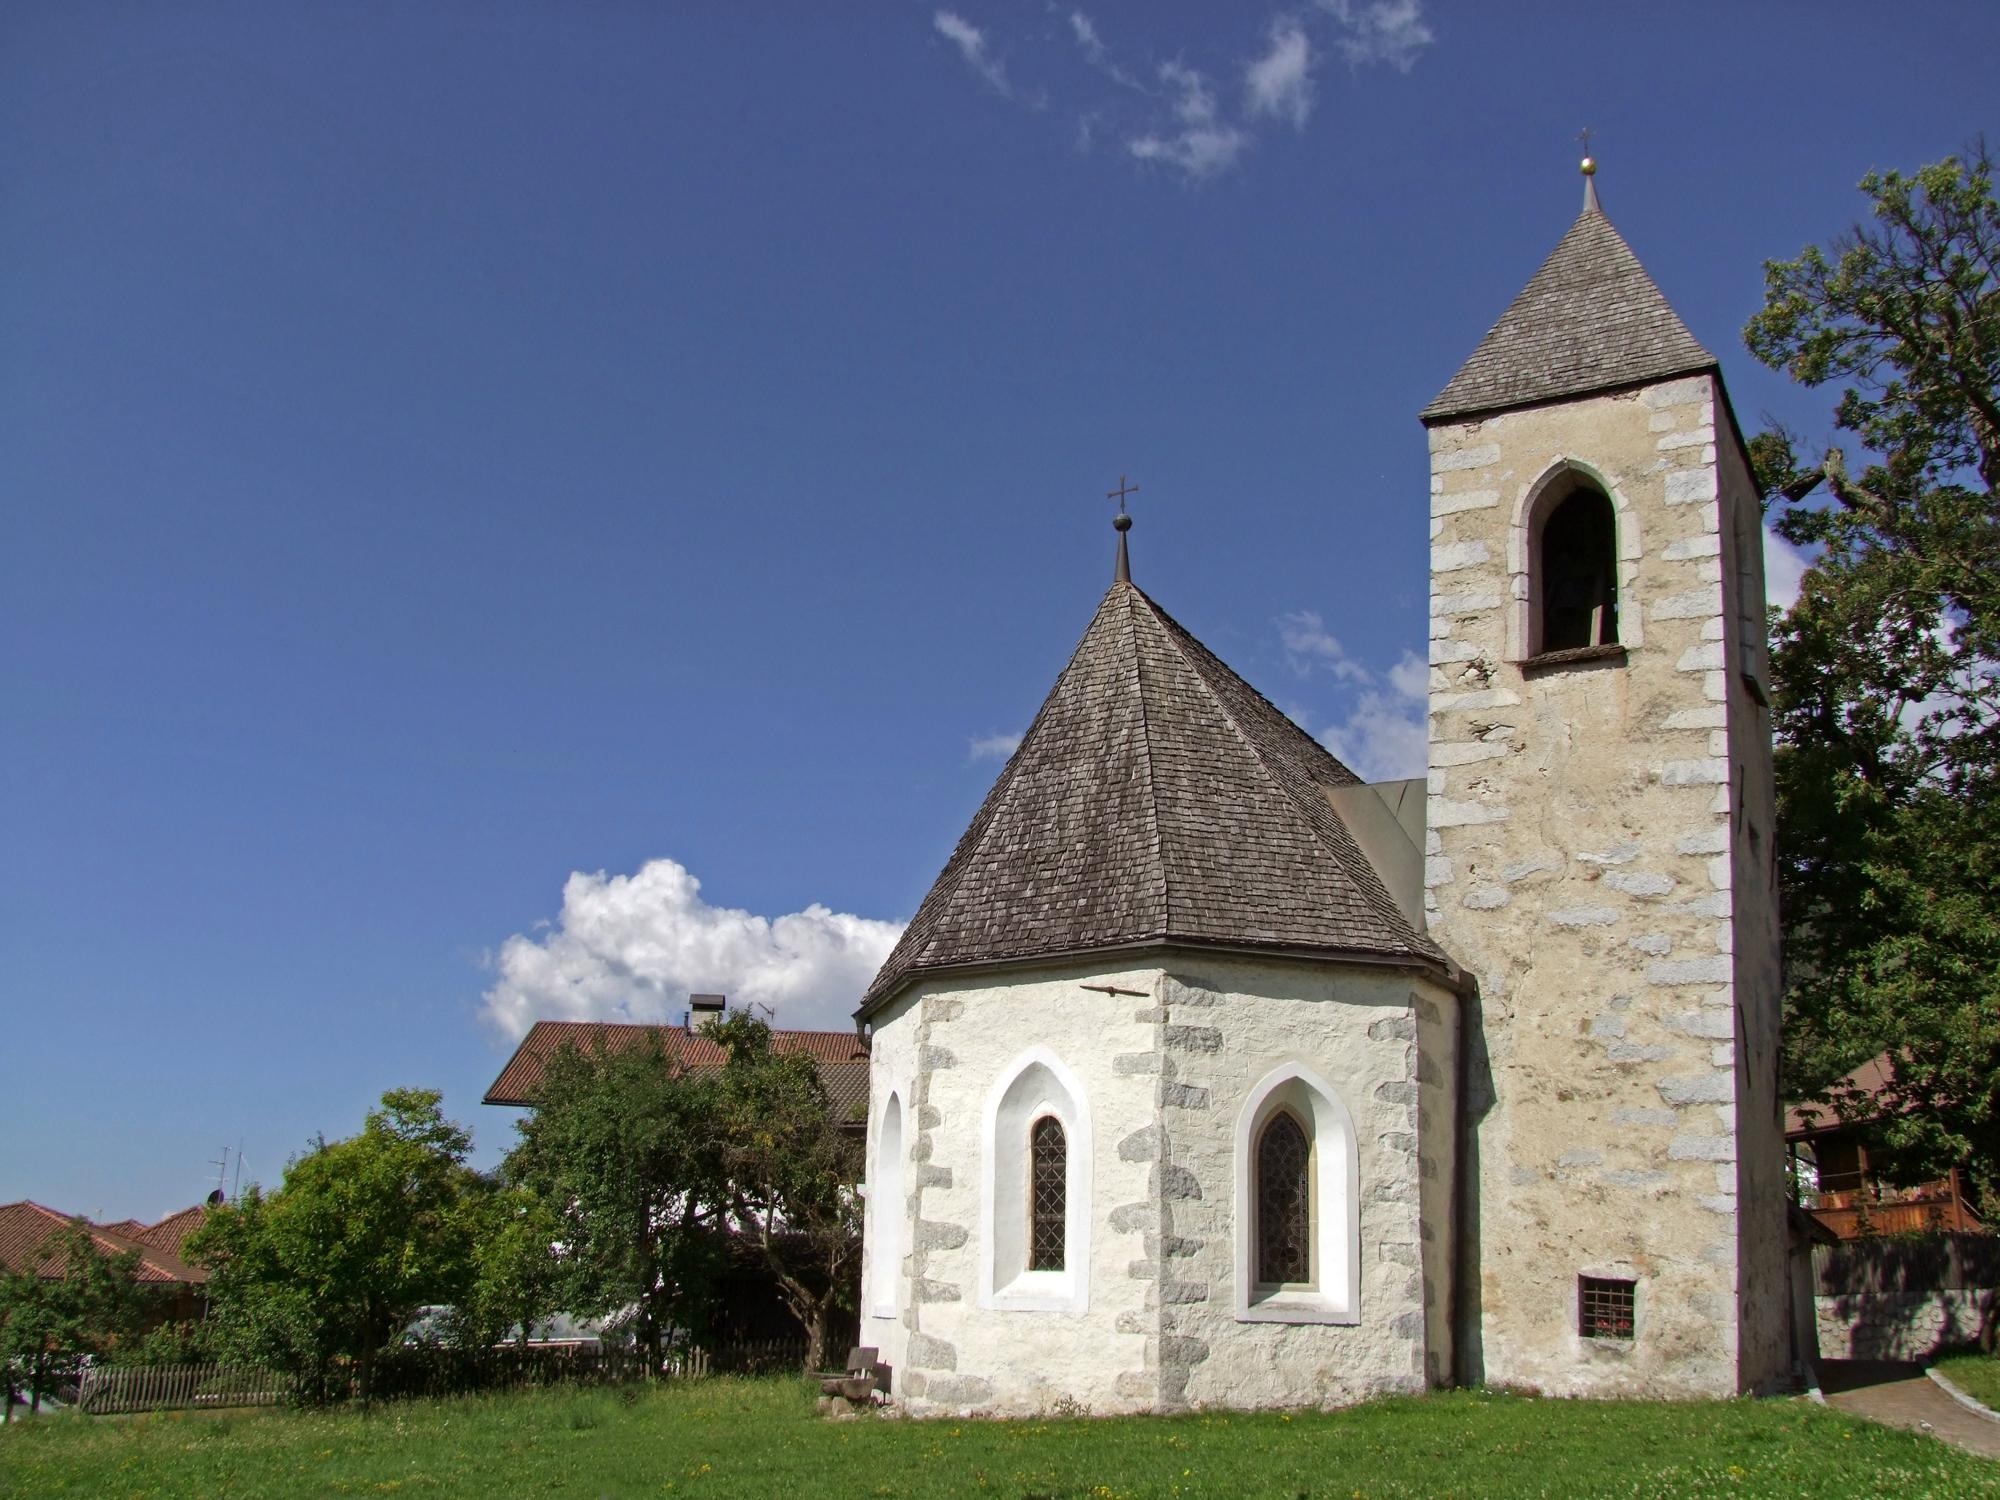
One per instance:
(95, 1305)
(362, 1233)
(1887, 700)
(790, 1172)
(621, 1148)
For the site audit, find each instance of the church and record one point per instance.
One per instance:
(1209, 1075)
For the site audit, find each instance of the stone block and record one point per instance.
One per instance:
(1141, 1145)
(1191, 1039)
(960, 1390)
(1712, 840)
(930, 1353)
(1707, 1024)
(1695, 604)
(1624, 1177)
(1582, 1158)
(1521, 869)
(1640, 882)
(1136, 1062)
(1644, 1117)
(1393, 1029)
(1456, 557)
(1676, 971)
(1690, 486)
(1478, 456)
(923, 1289)
(1583, 916)
(1635, 1052)
(1174, 1182)
(1183, 1096)
(1464, 602)
(1689, 1146)
(1658, 944)
(1698, 1088)
(1486, 897)
(935, 1059)
(1446, 505)
(933, 1234)
(1708, 771)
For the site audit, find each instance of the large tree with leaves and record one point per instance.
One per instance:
(623, 1149)
(790, 1171)
(1887, 696)
(79, 1299)
(363, 1232)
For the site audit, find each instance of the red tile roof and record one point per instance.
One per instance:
(842, 1056)
(172, 1231)
(27, 1229)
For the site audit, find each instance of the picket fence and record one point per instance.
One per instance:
(110, 1391)
(423, 1372)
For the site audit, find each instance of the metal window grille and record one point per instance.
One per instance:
(1284, 1203)
(1604, 1307)
(1048, 1192)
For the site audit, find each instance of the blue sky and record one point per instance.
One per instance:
(530, 509)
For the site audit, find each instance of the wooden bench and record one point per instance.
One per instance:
(864, 1376)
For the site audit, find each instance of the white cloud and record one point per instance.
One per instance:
(992, 746)
(1784, 567)
(971, 44)
(1381, 31)
(1205, 144)
(1386, 737)
(1280, 83)
(1086, 36)
(1309, 644)
(632, 948)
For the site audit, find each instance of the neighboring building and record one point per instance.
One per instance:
(28, 1242)
(1206, 1074)
(840, 1057)
(1837, 1184)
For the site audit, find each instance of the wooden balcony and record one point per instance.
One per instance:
(1855, 1206)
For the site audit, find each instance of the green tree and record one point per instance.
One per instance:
(515, 1273)
(790, 1171)
(623, 1150)
(362, 1233)
(1887, 700)
(48, 1321)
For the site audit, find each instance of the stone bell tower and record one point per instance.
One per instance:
(1599, 846)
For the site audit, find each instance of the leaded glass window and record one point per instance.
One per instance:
(1048, 1192)
(1284, 1203)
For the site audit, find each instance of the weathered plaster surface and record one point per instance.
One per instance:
(1167, 1072)
(1602, 882)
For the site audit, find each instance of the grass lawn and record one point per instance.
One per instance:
(760, 1438)
(1978, 1375)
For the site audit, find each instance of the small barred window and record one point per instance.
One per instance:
(1284, 1203)
(1048, 1191)
(1604, 1307)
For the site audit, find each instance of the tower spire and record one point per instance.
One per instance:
(1123, 522)
(1588, 166)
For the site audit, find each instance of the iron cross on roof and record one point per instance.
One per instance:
(1123, 521)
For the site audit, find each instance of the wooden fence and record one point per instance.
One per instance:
(106, 1391)
(426, 1372)
(1913, 1266)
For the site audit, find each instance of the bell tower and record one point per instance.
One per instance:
(1599, 852)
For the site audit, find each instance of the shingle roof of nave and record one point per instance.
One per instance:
(1156, 797)
(1590, 319)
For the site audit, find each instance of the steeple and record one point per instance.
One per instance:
(1590, 319)
(1122, 572)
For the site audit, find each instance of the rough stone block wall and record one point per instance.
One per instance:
(1582, 852)
(1881, 1326)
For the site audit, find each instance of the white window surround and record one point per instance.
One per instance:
(886, 1212)
(1034, 1084)
(1335, 1297)
(1531, 508)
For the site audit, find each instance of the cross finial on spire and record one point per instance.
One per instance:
(1588, 167)
(1123, 521)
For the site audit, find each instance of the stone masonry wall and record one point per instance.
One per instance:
(1166, 1072)
(1580, 865)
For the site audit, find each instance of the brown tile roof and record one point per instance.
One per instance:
(27, 1229)
(1157, 797)
(172, 1231)
(842, 1057)
(1590, 319)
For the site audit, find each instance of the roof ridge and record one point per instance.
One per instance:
(1152, 777)
(1313, 808)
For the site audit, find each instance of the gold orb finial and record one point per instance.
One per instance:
(1588, 167)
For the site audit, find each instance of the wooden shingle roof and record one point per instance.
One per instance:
(1590, 319)
(1156, 798)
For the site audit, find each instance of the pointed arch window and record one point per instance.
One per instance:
(1284, 1203)
(1048, 1194)
(1576, 573)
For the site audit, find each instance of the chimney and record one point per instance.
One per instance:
(703, 1008)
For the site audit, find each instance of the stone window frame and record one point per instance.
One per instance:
(1335, 1295)
(886, 1211)
(1035, 1084)
(1532, 506)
